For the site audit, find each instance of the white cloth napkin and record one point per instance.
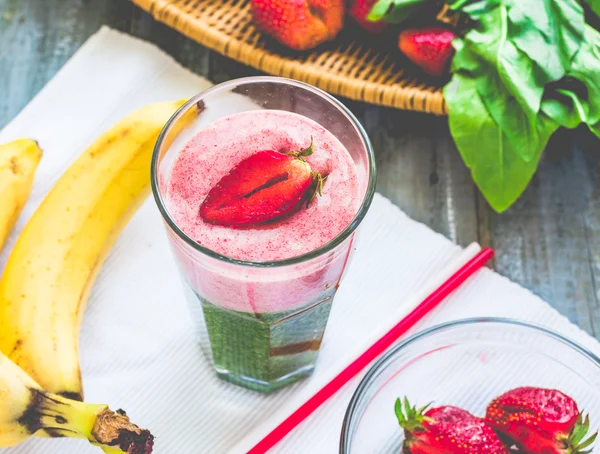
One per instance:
(138, 347)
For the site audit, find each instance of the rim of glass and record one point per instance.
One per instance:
(382, 362)
(362, 211)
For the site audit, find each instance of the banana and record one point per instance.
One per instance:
(56, 259)
(18, 163)
(25, 409)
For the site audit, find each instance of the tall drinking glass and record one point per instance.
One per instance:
(264, 320)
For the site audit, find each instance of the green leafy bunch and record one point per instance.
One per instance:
(522, 69)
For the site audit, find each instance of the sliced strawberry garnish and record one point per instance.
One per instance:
(263, 188)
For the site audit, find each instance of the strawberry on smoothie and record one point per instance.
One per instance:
(265, 187)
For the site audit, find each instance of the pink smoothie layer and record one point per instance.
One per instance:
(215, 150)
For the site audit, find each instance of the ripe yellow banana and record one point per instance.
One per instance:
(25, 409)
(55, 260)
(18, 163)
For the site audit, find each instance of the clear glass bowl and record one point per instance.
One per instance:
(466, 363)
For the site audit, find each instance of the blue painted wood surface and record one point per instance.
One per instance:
(548, 242)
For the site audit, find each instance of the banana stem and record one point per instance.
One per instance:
(111, 450)
(112, 431)
(61, 417)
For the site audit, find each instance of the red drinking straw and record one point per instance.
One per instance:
(430, 303)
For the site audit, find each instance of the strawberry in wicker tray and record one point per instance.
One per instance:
(429, 48)
(299, 24)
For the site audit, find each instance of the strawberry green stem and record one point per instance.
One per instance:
(305, 151)
(576, 441)
(410, 417)
(318, 179)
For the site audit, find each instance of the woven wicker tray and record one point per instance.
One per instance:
(354, 65)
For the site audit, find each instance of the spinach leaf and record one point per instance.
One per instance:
(586, 68)
(379, 10)
(565, 108)
(397, 11)
(594, 5)
(505, 79)
(549, 32)
(578, 110)
(596, 129)
(400, 15)
(570, 107)
(522, 70)
(495, 166)
(475, 9)
(515, 49)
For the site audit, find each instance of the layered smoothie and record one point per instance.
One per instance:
(265, 325)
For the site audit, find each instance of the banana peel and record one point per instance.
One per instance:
(18, 163)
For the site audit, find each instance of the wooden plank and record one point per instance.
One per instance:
(420, 170)
(549, 241)
(587, 147)
(223, 69)
(187, 52)
(39, 36)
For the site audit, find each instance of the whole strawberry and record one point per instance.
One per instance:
(360, 9)
(538, 420)
(299, 24)
(445, 430)
(430, 48)
(262, 188)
